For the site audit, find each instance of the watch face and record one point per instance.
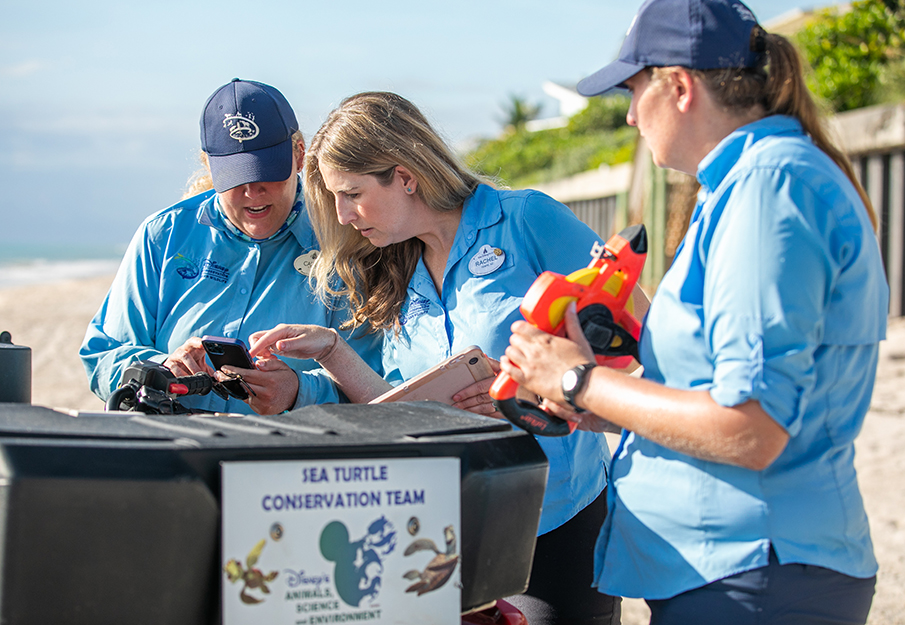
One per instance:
(569, 380)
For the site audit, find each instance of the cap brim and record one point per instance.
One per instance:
(273, 164)
(613, 76)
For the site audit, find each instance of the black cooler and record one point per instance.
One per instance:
(115, 517)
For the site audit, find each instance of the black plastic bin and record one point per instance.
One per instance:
(115, 517)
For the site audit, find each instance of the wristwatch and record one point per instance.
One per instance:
(573, 381)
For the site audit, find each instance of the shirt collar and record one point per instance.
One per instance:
(481, 209)
(717, 164)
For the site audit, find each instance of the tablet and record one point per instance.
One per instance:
(442, 381)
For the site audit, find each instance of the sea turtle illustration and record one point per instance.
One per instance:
(439, 569)
(251, 577)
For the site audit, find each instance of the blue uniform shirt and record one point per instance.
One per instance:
(504, 241)
(778, 295)
(187, 272)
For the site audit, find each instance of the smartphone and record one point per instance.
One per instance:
(442, 381)
(223, 351)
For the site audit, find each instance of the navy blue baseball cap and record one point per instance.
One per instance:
(697, 34)
(246, 131)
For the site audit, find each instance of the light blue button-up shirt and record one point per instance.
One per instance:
(187, 272)
(504, 241)
(778, 295)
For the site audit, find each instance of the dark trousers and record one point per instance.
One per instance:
(560, 591)
(788, 594)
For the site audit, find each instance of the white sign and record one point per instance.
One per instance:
(339, 541)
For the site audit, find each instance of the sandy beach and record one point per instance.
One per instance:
(51, 320)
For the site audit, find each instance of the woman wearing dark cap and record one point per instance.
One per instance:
(227, 262)
(733, 496)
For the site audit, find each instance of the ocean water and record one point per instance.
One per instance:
(42, 263)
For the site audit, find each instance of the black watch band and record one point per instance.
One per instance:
(573, 381)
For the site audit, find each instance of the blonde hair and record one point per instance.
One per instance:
(777, 85)
(372, 133)
(201, 181)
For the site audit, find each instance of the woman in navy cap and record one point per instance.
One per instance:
(733, 496)
(226, 262)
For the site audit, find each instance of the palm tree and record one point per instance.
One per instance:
(517, 112)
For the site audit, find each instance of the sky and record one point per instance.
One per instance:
(101, 98)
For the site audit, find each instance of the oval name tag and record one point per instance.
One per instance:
(487, 260)
(305, 262)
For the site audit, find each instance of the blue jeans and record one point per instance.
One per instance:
(788, 594)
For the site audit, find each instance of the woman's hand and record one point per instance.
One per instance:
(294, 341)
(188, 359)
(537, 360)
(273, 386)
(351, 374)
(475, 397)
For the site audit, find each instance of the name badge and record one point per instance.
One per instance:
(305, 262)
(487, 260)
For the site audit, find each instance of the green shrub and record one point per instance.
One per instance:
(596, 136)
(850, 53)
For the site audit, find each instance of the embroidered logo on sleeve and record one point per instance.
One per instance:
(487, 260)
(413, 309)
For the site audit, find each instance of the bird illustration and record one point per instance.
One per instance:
(439, 569)
(252, 577)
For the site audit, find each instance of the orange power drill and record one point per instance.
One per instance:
(602, 291)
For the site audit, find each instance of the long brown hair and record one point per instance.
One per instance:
(372, 133)
(777, 85)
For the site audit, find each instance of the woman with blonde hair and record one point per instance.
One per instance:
(733, 495)
(437, 260)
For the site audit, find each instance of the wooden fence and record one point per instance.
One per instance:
(874, 139)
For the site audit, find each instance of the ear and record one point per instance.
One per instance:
(684, 85)
(408, 180)
(299, 153)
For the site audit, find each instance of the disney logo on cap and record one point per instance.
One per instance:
(241, 127)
